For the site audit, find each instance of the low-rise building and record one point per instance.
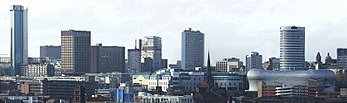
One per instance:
(37, 70)
(141, 78)
(229, 65)
(292, 83)
(110, 80)
(57, 87)
(188, 82)
(296, 90)
(230, 81)
(149, 98)
(185, 82)
(24, 99)
(161, 79)
(5, 64)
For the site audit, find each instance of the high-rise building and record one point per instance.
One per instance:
(292, 48)
(75, 51)
(134, 60)
(274, 64)
(254, 61)
(147, 65)
(229, 65)
(50, 51)
(151, 48)
(342, 58)
(19, 38)
(107, 59)
(193, 43)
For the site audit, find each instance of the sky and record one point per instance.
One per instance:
(233, 28)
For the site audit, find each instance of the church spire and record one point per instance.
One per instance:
(208, 78)
(208, 61)
(318, 58)
(318, 61)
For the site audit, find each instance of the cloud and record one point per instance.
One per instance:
(232, 28)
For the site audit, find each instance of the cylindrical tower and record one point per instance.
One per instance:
(292, 48)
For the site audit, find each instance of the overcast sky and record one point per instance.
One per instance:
(233, 28)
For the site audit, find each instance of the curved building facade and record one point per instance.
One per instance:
(292, 48)
(19, 38)
(291, 78)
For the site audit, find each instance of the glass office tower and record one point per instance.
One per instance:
(19, 38)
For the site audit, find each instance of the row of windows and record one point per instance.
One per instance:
(160, 83)
(166, 100)
(162, 78)
(225, 84)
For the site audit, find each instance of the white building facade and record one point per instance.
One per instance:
(254, 61)
(37, 70)
(292, 48)
(151, 48)
(148, 98)
(229, 65)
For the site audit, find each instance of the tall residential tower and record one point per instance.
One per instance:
(193, 43)
(19, 38)
(292, 48)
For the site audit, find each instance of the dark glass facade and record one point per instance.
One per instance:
(107, 59)
(50, 52)
(19, 38)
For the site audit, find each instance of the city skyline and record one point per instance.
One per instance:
(231, 24)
